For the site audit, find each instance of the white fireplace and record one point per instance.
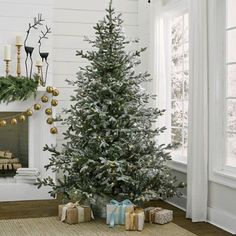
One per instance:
(38, 135)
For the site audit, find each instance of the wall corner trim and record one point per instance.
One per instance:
(222, 219)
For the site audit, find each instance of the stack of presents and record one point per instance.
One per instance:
(118, 213)
(8, 162)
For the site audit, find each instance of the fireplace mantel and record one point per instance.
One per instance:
(39, 135)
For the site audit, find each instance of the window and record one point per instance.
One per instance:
(172, 60)
(231, 83)
(222, 91)
(179, 83)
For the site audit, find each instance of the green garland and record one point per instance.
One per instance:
(17, 88)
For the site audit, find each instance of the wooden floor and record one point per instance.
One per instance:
(30, 209)
(201, 229)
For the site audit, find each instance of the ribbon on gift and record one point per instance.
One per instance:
(64, 210)
(121, 205)
(152, 213)
(135, 220)
(80, 209)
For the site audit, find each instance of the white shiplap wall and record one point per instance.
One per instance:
(72, 20)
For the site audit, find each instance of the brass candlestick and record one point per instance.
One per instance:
(7, 66)
(18, 68)
(39, 68)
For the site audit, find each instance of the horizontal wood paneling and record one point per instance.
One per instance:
(91, 5)
(88, 17)
(78, 29)
(27, 2)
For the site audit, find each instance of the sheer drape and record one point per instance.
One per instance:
(197, 170)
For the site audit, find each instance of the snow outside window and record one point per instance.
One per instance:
(179, 84)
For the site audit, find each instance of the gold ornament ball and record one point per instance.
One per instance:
(3, 123)
(29, 112)
(54, 102)
(13, 121)
(50, 121)
(37, 106)
(53, 130)
(48, 111)
(55, 92)
(182, 185)
(44, 99)
(49, 89)
(22, 118)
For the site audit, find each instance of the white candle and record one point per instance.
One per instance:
(18, 40)
(7, 52)
(39, 63)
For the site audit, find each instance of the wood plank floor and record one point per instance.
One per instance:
(31, 209)
(201, 229)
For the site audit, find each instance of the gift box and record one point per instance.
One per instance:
(116, 212)
(134, 219)
(73, 213)
(158, 215)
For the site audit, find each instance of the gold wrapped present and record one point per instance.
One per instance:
(134, 219)
(158, 215)
(73, 213)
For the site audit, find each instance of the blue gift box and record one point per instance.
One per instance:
(116, 212)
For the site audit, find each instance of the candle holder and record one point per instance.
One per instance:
(18, 68)
(7, 66)
(44, 56)
(29, 52)
(40, 74)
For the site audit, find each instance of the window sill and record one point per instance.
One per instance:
(180, 166)
(224, 177)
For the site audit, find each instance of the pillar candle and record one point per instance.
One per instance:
(18, 40)
(38, 63)
(7, 52)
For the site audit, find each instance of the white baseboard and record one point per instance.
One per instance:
(216, 217)
(179, 202)
(222, 220)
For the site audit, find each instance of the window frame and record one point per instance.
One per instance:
(174, 8)
(219, 172)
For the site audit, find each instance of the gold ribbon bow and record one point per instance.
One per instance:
(80, 209)
(152, 213)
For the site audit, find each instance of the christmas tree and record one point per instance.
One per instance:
(112, 138)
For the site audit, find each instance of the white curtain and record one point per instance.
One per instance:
(157, 59)
(197, 170)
